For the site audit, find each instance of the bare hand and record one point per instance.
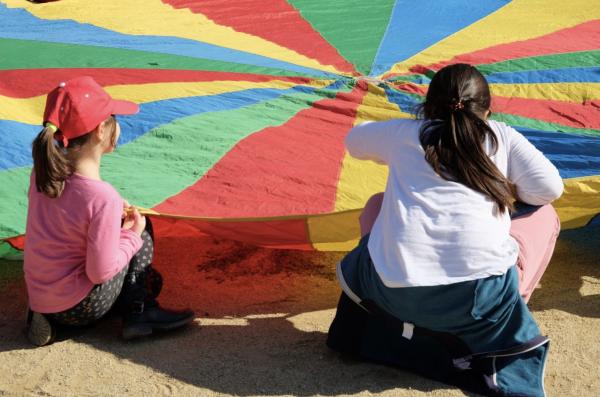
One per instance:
(134, 221)
(126, 207)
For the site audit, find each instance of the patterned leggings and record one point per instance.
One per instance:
(103, 296)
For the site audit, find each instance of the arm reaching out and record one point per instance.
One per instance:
(373, 140)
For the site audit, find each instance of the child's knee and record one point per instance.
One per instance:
(549, 214)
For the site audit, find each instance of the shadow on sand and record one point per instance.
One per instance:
(573, 275)
(263, 318)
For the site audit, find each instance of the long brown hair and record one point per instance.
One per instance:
(50, 162)
(455, 132)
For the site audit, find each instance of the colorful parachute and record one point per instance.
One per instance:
(245, 103)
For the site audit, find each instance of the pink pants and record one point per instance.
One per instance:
(536, 234)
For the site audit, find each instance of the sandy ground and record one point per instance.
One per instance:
(261, 327)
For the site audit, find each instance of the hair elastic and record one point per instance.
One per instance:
(51, 126)
(457, 105)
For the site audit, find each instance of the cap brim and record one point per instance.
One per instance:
(124, 107)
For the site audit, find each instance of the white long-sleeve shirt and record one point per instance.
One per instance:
(431, 231)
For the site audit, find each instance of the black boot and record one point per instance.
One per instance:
(141, 312)
(137, 302)
(154, 282)
(146, 317)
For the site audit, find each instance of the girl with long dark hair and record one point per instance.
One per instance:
(447, 262)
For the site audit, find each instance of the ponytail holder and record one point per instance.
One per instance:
(51, 126)
(457, 105)
(59, 136)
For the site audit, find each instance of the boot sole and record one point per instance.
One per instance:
(40, 332)
(172, 325)
(146, 329)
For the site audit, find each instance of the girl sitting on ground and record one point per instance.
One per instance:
(86, 249)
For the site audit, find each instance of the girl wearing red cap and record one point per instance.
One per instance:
(86, 249)
(439, 282)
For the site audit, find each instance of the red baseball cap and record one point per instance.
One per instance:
(79, 105)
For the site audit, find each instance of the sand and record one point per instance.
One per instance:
(262, 321)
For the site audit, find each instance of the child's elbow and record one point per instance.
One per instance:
(97, 278)
(556, 189)
(543, 194)
(551, 192)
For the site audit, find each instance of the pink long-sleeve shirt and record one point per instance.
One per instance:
(74, 242)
